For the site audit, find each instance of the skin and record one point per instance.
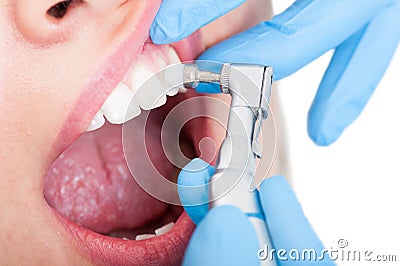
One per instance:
(43, 70)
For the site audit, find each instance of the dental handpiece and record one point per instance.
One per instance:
(250, 88)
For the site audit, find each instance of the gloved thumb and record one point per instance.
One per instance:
(193, 188)
(224, 237)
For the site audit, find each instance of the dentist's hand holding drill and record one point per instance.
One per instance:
(364, 36)
(225, 236)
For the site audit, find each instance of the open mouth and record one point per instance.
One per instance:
(90, 188)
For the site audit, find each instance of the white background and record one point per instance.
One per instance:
(351, 189)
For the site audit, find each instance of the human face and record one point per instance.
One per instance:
(56, 70)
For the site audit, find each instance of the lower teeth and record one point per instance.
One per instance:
(145, 236)
(151, 229)
(157, 232)
(160, 231)
(164, 229)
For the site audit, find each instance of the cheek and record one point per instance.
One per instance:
(36, 92)
(47, 61)
(39, 91)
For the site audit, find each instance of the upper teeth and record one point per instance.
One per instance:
(97, 122)
(119, 105)
(143, 90)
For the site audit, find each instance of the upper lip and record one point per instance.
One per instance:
(105, 78)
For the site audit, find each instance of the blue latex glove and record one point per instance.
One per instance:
(364, 35)
(177, 19)
(224, 236)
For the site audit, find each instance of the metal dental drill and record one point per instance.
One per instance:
(250, 88)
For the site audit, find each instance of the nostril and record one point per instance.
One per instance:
(60, 9)
(45, 22)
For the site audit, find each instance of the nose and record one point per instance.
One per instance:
(48, 21)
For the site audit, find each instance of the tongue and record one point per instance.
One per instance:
(91, 185)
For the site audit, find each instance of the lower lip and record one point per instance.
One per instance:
(167, 249)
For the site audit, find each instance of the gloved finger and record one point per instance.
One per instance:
(288, 227)
(299, 35)
(177, 19)
(352, 76)
(224, 237)
(193, 188)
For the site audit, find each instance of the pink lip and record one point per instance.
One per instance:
(167, 248)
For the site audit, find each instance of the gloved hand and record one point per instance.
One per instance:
(224, 235)
(364, 35)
